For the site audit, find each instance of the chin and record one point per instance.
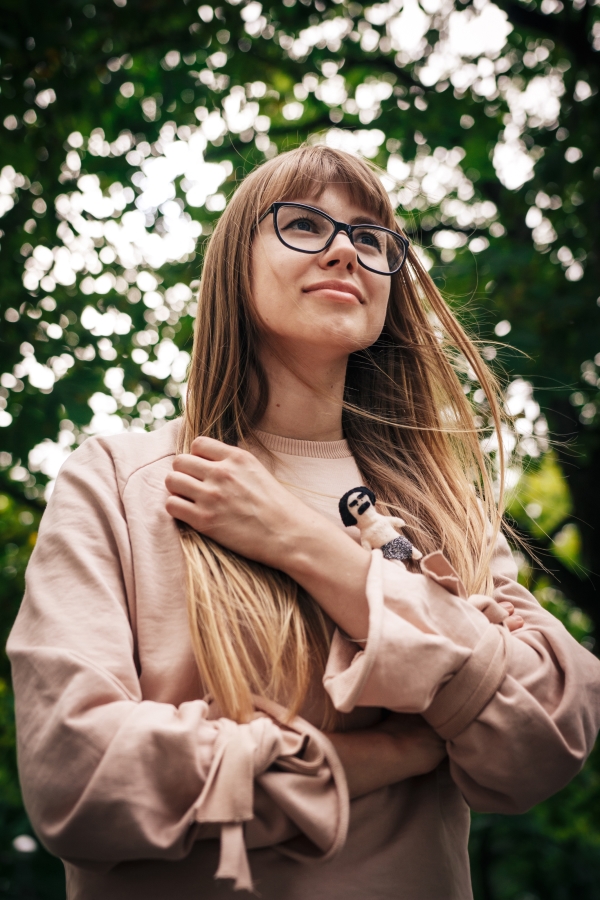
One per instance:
(351, 339)
(342, 331)
(342, 343)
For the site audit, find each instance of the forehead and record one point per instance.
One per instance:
(337, 202)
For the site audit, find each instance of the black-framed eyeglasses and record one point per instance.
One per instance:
(310, 230)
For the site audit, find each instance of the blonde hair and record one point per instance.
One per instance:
(405, 416)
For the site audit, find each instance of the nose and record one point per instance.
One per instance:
(341, 253)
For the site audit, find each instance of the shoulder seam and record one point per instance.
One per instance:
(146, 464)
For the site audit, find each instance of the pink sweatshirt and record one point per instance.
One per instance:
(145, 792)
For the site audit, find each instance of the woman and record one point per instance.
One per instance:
(158, 745)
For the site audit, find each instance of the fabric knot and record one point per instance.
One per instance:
(266, 748)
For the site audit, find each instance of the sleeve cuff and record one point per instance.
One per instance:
(296, 766)
(459, 702)
(403, 662)
(430, 649)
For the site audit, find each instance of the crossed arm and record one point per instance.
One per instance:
(75, 680)
(225, 493)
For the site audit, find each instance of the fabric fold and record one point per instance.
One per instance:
(328, 830)
(348, 668)
(286, 754)
(436, 566)
(459, 702)
(431, 649)
(105, 677)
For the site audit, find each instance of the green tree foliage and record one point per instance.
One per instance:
(125, 124)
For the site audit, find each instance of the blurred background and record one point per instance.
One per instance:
(124, 127)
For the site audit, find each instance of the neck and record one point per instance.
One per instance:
(305, 399)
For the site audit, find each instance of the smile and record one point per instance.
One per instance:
(339, 291)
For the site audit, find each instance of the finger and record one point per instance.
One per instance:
(209, 448)
(183, 510)
(195, 466)
(506, 604)
(185, 486)
(514, 622)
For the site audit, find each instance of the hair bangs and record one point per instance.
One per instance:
(306, 173)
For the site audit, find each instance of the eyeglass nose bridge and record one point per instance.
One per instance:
(339, 227)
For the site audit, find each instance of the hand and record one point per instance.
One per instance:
(514, 620)
(401, 747)
(226, 494)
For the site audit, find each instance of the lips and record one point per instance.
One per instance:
(340, 287)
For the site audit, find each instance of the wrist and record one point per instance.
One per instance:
(292, 541)
(316, 543)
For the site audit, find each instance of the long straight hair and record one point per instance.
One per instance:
(405, 416)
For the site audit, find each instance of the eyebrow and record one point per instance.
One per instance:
(365, 220)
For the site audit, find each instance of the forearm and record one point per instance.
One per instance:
(400, 747)
(368, 759)
(333, 569)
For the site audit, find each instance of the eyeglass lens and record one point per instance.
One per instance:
(303, 229)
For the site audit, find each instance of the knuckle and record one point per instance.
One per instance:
(181, 462)
(240, 456)
(212, 496)
(224, 473)
(206, 518)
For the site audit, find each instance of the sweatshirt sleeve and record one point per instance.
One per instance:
(519, 711)
(108, 776)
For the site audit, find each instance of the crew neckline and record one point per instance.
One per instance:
(313, 449)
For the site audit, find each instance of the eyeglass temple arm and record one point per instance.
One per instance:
(265, 214)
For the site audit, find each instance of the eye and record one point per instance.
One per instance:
(303, 223)
(368, 239)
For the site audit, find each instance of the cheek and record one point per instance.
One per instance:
(274, 273)
(383, 292)
(263, 279)
(380, 295)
